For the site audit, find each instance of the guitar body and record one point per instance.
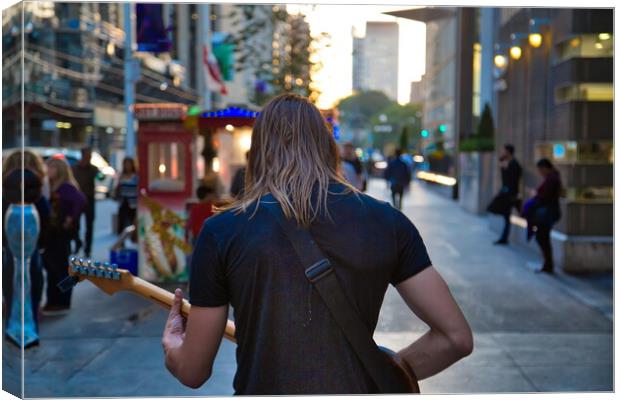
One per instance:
(111, 279)
(406, 374)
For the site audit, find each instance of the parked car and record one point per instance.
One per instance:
(104, 187)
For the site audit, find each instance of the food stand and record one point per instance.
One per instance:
(230, 131)
(171, 166)
(178, 152)
(165, 181)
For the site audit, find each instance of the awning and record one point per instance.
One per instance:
(424, 14)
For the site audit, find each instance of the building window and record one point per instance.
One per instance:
(166, 167)
(584, 92)
(599, 45)
(589, 194)
(573, 152)
(477, 62)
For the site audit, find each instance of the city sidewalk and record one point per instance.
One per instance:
(532, 332)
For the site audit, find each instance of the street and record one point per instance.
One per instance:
(532, 332)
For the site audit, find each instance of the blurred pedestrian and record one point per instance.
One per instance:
(200, 211)
(236, 187)
(33, 177)
(85, 174)
(508, 196)
(352, 168)
(67, 205)
(398, 176)
(127, 194)
(543, 211)
(257, 254)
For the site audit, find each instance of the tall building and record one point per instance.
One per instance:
(451, 83)
(556, 101)
(375, 59)
(358, 75)
(73, 72)
(416, 92)
(547, 75)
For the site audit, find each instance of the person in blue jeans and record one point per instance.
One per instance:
(30, 178)
(398, 175)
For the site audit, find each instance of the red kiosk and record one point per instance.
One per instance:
(171, 166)
(176, 153)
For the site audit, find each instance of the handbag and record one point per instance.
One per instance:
(381, 364)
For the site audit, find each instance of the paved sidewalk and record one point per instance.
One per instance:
(532, 332)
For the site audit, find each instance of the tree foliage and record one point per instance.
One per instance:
(484, 139)
(404, 120)
(485, 127)
(357, 109)
(276, 48)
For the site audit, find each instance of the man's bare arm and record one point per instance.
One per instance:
(449, 338)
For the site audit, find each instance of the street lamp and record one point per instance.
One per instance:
(515, 52)
(515, 49)
(500, 61)
(535, 37)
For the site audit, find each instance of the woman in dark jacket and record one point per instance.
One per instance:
(543, 211)
(68, 204)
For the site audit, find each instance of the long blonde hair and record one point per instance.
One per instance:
(31, 161)
(293, 154)
(63, 172)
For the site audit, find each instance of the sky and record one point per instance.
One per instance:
(334, 79)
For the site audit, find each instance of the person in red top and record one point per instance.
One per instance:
(200, 211)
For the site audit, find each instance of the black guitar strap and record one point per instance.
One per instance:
(320, 273)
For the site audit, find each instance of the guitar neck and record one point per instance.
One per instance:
(165, 298)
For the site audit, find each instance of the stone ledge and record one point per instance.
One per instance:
(574, 254)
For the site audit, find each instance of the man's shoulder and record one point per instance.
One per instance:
(226, 220)
(370, 205)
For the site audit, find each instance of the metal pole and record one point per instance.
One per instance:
(205, 38)
(129, 70)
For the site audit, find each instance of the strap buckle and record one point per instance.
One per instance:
(318, 270)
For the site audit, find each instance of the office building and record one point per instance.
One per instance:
(555, 100)
(73, 64)
(375, 59)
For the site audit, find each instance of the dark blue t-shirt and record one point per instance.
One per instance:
(288, 343)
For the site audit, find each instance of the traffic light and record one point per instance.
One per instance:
(424, 133)
(442, 128)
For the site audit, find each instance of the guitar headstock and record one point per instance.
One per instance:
(107, 277)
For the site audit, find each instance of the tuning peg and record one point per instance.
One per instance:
(115, 273)
(73, 262)
(107, 270)
(97, 269)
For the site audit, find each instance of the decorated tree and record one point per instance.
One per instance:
(277, 48)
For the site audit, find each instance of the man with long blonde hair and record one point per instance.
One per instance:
(288, 341)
